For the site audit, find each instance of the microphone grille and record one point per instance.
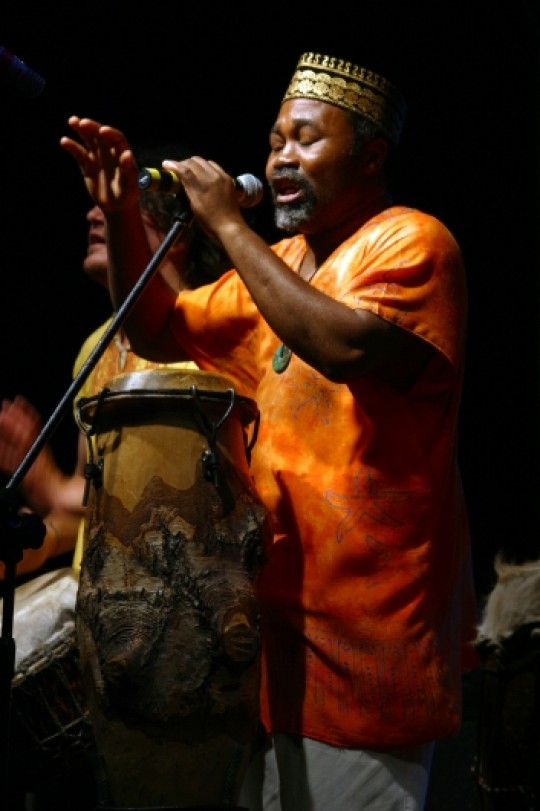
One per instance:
(252, 190)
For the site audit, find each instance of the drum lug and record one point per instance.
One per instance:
(210, 463)
(93, 472)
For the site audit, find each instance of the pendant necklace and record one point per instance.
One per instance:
(123, 347)
(281, 359)
(282, 356)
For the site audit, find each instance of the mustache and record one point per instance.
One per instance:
(286, 173)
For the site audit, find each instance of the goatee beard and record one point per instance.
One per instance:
(290, 217)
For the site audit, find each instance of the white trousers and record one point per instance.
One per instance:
(299, 774)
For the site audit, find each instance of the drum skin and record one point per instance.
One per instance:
(167, 620)
(51, 732)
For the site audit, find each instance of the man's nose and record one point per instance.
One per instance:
(287, 155)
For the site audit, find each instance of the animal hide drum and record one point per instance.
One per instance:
(167, 621)
(51, 731)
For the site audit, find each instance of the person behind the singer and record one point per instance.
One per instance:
(349, 333)
(195, 259)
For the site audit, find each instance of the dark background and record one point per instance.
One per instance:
(212, 75)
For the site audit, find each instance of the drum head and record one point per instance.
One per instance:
(160, 392)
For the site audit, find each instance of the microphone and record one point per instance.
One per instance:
(249, 189)
(16, 72)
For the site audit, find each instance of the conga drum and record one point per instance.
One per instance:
(166, 617)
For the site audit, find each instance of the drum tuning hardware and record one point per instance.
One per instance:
(210, 462)
(210, 458)
(93, 472)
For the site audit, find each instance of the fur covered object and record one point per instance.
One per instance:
(513, 603)
(506, 762)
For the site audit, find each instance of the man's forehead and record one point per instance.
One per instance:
(311, 110)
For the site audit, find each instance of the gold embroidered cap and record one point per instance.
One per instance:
(351, 87)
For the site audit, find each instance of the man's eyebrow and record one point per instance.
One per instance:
(297, 122)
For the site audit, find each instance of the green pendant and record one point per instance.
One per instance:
(281, 359)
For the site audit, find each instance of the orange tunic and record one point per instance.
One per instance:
(366, 593)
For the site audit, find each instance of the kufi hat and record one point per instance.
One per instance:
(351, 87)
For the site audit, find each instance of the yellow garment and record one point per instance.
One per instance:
(366, 594)
(116, 359)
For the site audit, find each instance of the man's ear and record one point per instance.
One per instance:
(375, 154)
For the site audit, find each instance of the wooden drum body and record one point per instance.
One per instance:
(167, 621)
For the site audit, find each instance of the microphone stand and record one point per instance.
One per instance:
(27, 530)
